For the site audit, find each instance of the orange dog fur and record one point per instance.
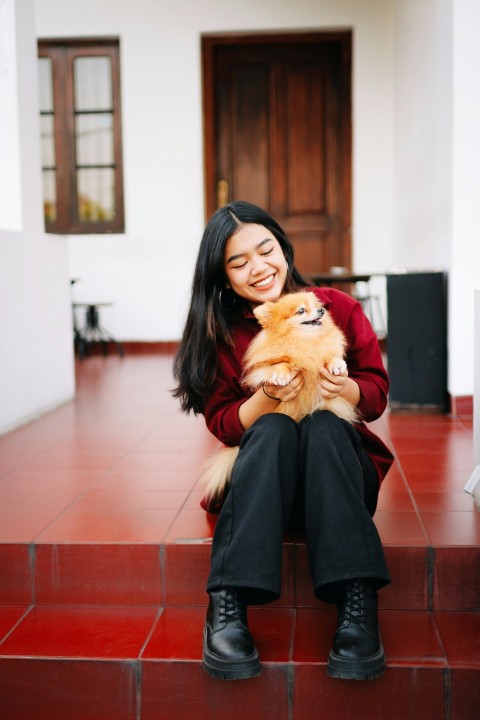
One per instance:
(298, 335)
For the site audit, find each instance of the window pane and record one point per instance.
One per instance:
(93, 83)
(45, 84)
(47, 140)
(96, 195)
(80, 128)
(94, 139)
(49, 196)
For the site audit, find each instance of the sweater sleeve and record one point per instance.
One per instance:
(223, 421)
(226, 396)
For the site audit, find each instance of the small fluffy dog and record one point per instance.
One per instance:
(297, 335)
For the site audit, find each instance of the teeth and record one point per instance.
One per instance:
(263, 282)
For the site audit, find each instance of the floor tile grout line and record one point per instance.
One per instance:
(38, 537)
(32, 556)
(162, 560)
(28, 610)
(431, 573)
(413, 501)
(438, 635)
(447, 692)
(103, 474)
(157, 617)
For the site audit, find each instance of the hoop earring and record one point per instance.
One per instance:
(220, 301)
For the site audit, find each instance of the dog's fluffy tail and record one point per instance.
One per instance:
(217, 470)
(342, 408)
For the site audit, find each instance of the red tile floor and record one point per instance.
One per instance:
(104, 553)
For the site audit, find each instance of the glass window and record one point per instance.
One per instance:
(81, 136)
(47, 139)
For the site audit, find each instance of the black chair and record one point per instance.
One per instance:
(92, 332)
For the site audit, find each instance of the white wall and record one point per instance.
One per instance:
(36, 358)
(422, 133)
(436, 170)
(10, 192)
(147, 272)
(465, 248)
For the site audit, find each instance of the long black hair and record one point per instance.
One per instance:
(210, 314)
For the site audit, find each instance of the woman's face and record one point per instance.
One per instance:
(255, 264)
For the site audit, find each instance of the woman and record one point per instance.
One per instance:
(321, 475)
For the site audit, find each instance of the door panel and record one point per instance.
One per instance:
(250, 153)
(278, 113)
(305, 139)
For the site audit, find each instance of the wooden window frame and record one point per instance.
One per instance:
(62, 53)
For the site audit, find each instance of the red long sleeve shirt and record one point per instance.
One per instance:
(364, 362)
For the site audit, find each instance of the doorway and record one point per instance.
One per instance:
(277, 132)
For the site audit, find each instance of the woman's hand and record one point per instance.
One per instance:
(286, 392)
(266, 399)
(332, 386)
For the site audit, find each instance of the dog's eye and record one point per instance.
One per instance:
(301, 311)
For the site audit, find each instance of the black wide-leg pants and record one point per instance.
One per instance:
(314, 476)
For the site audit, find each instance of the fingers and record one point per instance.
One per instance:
(287, 391)
(332, 384)
(293, 388)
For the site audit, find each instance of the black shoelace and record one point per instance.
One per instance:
(232, 609)
(355, 610)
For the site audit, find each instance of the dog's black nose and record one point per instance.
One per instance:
(321, 312)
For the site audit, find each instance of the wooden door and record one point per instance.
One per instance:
(277, 112)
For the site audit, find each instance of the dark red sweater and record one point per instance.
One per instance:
(364, 363)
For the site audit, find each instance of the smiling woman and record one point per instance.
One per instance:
(317, 473)
(255, 265)
(211, 312)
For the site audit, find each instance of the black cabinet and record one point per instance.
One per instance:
(417, 340)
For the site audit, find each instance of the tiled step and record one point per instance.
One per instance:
(174, 574)
(144, 664)
(80, 618)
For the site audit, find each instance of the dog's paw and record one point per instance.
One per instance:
(281, 375)
(337, 366)
(280, 378)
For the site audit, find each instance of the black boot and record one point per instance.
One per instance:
(357, 652)
(228, 649)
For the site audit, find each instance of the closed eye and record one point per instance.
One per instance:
(242, 264)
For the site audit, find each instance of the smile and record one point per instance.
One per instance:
(262, 283)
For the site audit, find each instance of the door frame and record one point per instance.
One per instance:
(211, 41)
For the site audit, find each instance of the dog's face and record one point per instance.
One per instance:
(301, 311)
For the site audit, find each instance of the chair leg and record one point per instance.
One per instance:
(93, 332)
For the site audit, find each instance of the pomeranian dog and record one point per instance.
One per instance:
(297, 335)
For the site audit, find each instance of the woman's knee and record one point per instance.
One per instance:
(268, 455)
(326, 429)
(323, 420)
(273, 425)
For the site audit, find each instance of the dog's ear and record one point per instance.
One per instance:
(263, 313)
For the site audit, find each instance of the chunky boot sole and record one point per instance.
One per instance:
(367, 668)
(220, 667)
